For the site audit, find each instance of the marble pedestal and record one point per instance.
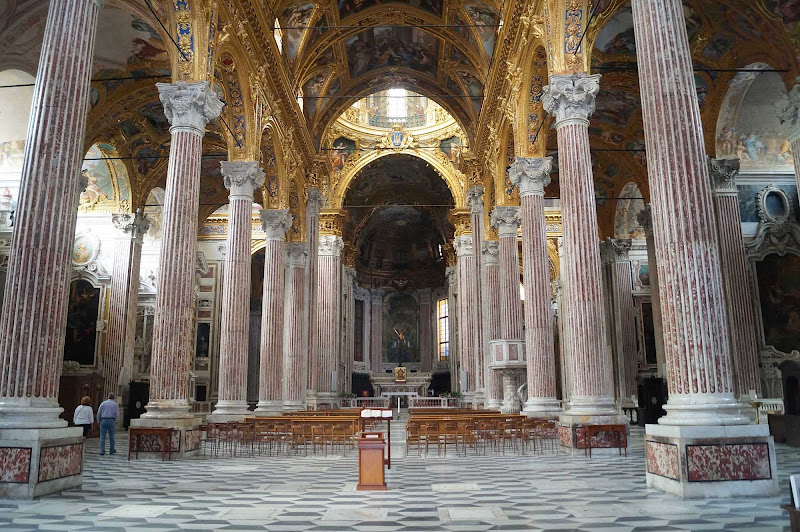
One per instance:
(711, 461)
(508, 357)
(269, 408)
(36, 462)
(321, 400)
(186, 441)
(542, 408)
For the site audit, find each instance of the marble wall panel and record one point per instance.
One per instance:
(662, 459)
(15, 464)
(192, 440)
(600, 440)
(60, 461)
(723, 462)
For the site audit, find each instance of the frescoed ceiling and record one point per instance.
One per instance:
(352, 48)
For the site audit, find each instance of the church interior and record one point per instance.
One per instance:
(522, 264)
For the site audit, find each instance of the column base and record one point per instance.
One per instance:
(704, 409)
(322, 401)
(36, 462)
(185, 442)
(572, 433)
(225, 411)
(167, 409)
(542, 408)
(711, 461)
(28, 412)
(293, 406)
(479, 399)
(269, 408)
(591, 406)
(494, 404)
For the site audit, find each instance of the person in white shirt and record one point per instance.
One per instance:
(84, 415)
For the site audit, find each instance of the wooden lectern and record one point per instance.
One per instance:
(370, 462)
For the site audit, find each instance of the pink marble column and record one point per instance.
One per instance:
(736, 281)
(345, 362)
(276, 222)
(645, 219)
(376, 332)
(37, 285)
(506, 219)
(621, 316)
(313, 207)
(491, 261)
(571, 99)
(475, 203)
(696, 341)
(470, 352)
(188, 107)
(451, 274)
(329, 302)
(241, 178)
(687, 248)
(531, 176)
(121, 331)
(294, 355)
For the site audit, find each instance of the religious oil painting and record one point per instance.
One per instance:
(485, 20)
(473, 88)
(341, 150)
(202, 340)
(124, 39)
(349, 7)
(400, 324)
(383, 46)
(779, 292)
(617, 107)
(85, 249)
(312, 89)
(82, 313)
(294, 21)
(616, 36)
(452, 148)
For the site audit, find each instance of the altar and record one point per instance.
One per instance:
(416, 384)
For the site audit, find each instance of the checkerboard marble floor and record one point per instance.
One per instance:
(539, 492)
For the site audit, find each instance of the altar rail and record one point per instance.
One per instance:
(364, 402)
(434, 402)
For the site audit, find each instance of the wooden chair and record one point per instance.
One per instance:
(430, 434)
(449, 435)
(413, 437)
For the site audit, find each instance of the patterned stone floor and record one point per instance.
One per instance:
(540, 492)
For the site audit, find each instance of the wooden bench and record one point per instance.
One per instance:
(164, 435)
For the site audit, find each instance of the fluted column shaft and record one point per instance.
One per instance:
(451, 274)
(294, 388)
(376, 332)
(733, 258)
(531, 176)
(425, 335)
(313, 207)
(491, 258)
(571, 99)
(475, 202)
(188, 107)
(506, 220)
(468, 312)
(270, 385)
(329, 304)
(645, 219)
(122, 303)
(693, 306)
(241, 178)
(34, 309)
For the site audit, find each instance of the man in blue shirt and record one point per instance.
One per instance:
(107, 414)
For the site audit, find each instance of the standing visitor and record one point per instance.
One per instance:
(84, 415)
(107, 414)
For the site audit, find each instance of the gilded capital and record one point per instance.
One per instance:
(133, 225)
(331, 222)
(530, 174)
(275, 223)
(491, 252)
(189, 105)
(571, 98)
(241, 178)
(330, 245)
(349, 255)
(506, 219)
(723, 174)
(461, 221)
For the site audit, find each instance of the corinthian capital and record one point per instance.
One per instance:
(296, 254)
(571, 98)
(189, 105)
(134, 224)
(314, 202)
(475, 198)
(242, 178)
(464, 246)
(530, 174)
(330, 245)
(275, 223)
(723, 174)
(645, 219)
(491, 252)
(506, 219)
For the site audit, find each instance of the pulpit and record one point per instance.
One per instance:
(371, 475)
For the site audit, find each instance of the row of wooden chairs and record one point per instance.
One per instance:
(516, 434)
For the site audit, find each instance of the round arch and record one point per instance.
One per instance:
(453, 178)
